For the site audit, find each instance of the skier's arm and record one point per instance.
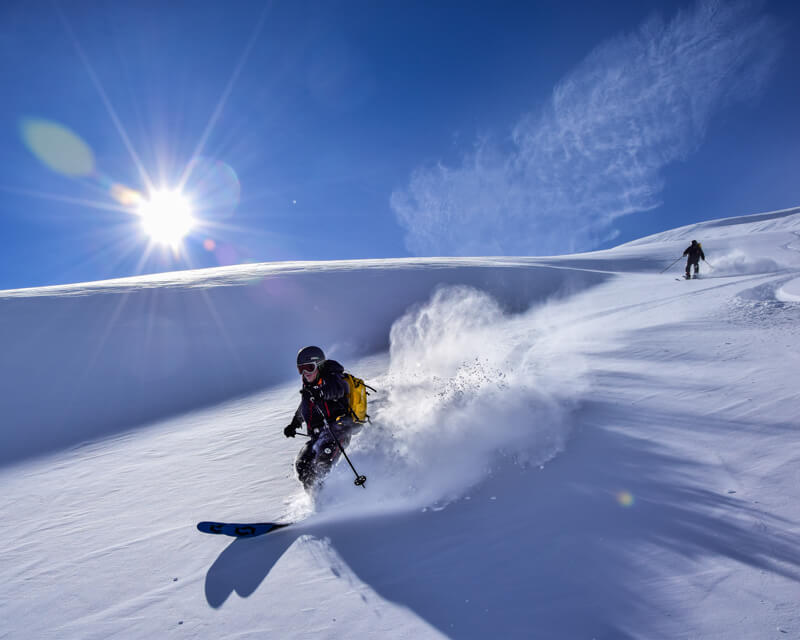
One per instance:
(333, 387)
(290, 430)
(297, 420)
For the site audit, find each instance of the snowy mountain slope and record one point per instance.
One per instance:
(740, 226)
(153, 350)
(565, 447)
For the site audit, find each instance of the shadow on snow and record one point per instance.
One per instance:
(555, 555)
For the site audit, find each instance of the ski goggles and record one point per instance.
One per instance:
(308, 367)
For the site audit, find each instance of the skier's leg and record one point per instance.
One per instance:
(316, 458)
(344, 429)
(304, 465)
(326, 448)
(325, 453)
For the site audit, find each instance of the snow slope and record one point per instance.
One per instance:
(564, 447)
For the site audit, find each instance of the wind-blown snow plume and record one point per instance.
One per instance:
(737, 262)
(595, 151)
(466, 384)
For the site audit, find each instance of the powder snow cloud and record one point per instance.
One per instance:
(595, 150)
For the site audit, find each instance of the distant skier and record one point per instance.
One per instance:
(326, 390)
(694, 252)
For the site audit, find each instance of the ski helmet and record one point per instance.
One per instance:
(310, 354)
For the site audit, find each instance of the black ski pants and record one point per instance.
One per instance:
(317, 456)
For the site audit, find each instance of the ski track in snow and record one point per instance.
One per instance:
(566, 447)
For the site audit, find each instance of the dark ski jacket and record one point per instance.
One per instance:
(695, 252)
(335, 404)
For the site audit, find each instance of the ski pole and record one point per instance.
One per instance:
(671, 265)
(708, 263)
(360, 480)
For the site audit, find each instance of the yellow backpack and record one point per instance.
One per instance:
(357, 399)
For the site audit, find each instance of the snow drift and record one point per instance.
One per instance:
(85, 361)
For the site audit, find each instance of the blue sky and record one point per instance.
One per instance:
(328, 130)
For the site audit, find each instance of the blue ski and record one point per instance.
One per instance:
(240, 530)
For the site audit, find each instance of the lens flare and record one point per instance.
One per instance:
(57, 147)
(625, 498)
(126, 196)
(216, 185)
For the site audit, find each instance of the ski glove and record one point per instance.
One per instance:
(290, 431)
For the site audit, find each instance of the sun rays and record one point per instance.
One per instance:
(169, 216)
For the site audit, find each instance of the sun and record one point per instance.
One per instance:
(166, 217)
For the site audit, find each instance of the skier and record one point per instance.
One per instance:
(695, 252)
(324, 390)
